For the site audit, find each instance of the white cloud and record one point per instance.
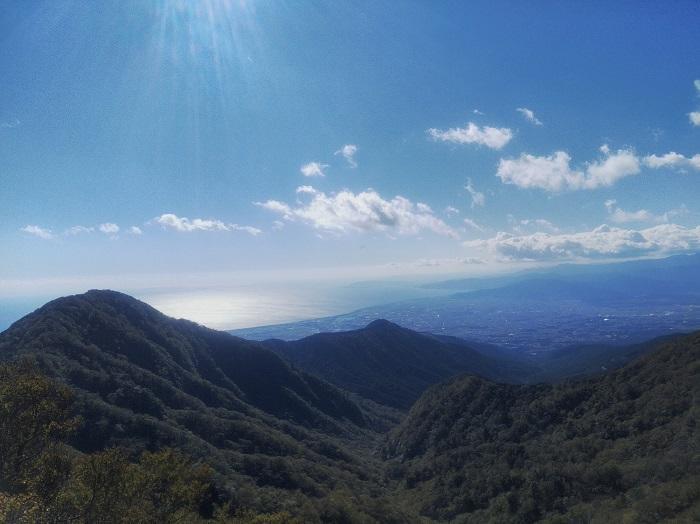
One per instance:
(278, 207)
(551, 173)
(348, 152)
(674, 160)
(602, 242)
(38, 231)
(554, 173)
(605, 172)
(184, 224)
(478, 199)
(78, 230)
(451, 210)
(492, 137)
(171, 221)
(305, 189)
(367, 211)
(135, 230)
(313, 169)
(529, 115)
(108, 228)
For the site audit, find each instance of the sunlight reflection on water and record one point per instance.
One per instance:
(249, 306)
(238, 308)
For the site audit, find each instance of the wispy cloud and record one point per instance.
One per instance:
(601, 243)
(554, 173)
(529, 115)
(10, 124)
(530, 224)
(252, 231)
(348, 152)
(673, 160)
(478, 198)
(694, 116)
(621, 216)
(78, 230)
(441, 262)
(451, 210)
(313, 169)
(346, 212)
(38, 231)
(491, 137)
(185, 225)
(473, 225)
(107, 228)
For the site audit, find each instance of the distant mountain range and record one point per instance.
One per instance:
(381, 424)
(541, 310)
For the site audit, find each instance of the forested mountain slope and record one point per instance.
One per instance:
(143, 381)
(621, 447)
(390, 364)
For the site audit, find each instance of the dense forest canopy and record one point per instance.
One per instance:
(113, 412)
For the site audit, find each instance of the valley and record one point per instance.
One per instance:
(380, 424)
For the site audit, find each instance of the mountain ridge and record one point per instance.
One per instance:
(390, 364)
(621, 445)
(144, 381)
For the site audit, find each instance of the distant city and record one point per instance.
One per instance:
(541, 311)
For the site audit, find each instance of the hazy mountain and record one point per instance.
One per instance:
(390, 364)
(674, 271)
(618, 447)
(542, 310)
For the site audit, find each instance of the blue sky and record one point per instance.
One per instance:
(144, 142)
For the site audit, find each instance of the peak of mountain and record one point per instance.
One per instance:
(389, 364)
(276, 436)
(144, 380)
(104, 330)
(381, 325)
(612, 448)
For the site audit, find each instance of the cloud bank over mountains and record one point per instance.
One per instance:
(603, 242)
